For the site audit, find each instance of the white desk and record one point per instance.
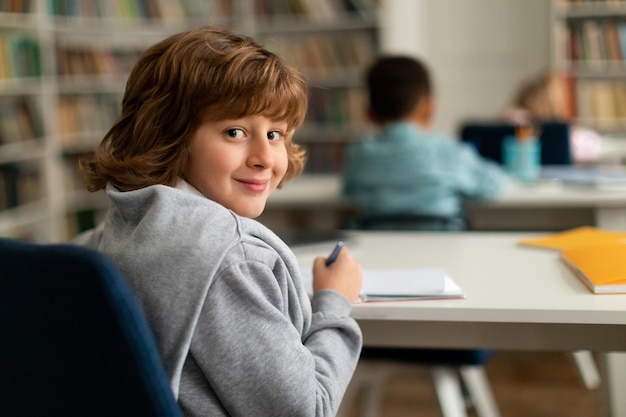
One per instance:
(310, 190)
(518, 298)
(308, 202)
(315, 192)
(608, 205)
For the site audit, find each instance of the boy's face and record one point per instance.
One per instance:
(238, 163)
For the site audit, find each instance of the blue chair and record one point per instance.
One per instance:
(451, 369)
(74, 340)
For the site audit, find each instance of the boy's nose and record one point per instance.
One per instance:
(261, 154)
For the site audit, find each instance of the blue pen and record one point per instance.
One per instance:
(333, 255)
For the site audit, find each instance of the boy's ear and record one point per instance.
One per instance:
(429, 107)
(424, 111)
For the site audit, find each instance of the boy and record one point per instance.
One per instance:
(404, 169)
(204, 137)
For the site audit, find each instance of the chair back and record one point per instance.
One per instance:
(74, 340)
(487, 138)
(408, 221)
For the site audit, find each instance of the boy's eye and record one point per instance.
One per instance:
(235, 133)
(274, 135)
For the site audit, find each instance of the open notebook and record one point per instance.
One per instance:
(402, 284)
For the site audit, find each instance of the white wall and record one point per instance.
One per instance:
(478, 51)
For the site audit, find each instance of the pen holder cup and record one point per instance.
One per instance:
(522, 157)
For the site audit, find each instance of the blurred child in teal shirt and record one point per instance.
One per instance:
(404, 169)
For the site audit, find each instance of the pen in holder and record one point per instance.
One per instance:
(521, 154)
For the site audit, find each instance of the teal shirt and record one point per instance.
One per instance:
(404, 169)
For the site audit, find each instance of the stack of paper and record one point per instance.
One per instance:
(599, 177)
(596, 256)
(403, 284)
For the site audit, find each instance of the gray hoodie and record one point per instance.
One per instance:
(238, 334)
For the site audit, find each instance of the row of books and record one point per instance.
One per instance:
(580, 2)
(596, 256)
(602, 103)
(327, 56)
(338, 108)
(19, 56)
(162, 10)
(87, 209)
(109, 62)
(19, 184)
(82, 120)
(18, 120)
(596, 44)
(318, 11)
(324, 157)
(71, 178)
(17, 6)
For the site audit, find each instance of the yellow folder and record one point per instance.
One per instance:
(601, 267)
(576, 238)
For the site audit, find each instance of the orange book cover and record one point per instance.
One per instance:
(602, 267)
(576, 238)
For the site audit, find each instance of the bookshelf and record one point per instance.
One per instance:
(331, 42)
(64, 64)
(589, 46)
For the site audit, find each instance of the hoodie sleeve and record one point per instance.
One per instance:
(263, 356)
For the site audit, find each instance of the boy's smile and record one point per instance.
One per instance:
(238, 163)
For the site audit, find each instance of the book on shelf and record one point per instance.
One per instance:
(601, 102)
(16, 6)
(19, 184)
(109, 64)
(18, 121)
(600, 267)
(19, 56)
(83, 120)
(327, 56)
(593, 44)
(613, 44)
(596, 43)
(403, 284)
(579, 237)
(621, 35)
(316, 11)
(164, 10)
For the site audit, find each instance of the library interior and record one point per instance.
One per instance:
(63, 71)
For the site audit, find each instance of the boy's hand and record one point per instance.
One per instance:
(344, 275)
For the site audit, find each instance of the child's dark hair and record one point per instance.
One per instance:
(396, 84)
(191, 77)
